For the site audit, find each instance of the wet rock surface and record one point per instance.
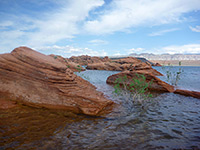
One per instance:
(38, 80)
(194, 94)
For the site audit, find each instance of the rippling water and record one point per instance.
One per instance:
(169, 121)
(190, 76)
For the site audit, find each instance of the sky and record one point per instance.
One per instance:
(101, 27)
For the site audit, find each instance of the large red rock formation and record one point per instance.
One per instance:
(72, 65)
(39, 80)
(157, 85)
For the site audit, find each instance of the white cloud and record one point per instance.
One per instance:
(63, 24)
(189, 48)
(5, 24)
(68, 51)
(195, 29)
(60, 23)
(98, 42)
(135, 50)
(118, 54)
(124, 14)
(161, 32)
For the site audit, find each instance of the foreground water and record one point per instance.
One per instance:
(168, 121)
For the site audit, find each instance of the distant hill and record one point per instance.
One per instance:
(167, 56)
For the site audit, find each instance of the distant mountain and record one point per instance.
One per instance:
(150, 56)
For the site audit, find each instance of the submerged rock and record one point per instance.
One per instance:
(35, 79)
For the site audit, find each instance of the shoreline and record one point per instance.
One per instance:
(176, 62)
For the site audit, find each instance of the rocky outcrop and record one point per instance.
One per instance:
(157, 84)
(194, 94)
(128, 63)
(128, 60)
(72, 65)
(110, 66)
(85, 59)
(41, 81)
(157, 65)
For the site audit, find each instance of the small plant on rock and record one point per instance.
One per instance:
(133, 90)
(78, 68)
(173, 76)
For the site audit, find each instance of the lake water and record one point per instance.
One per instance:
(168, 121)
(190, 76)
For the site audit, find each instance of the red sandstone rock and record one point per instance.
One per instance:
(157, 64)
(188, 93)
(111, 66)
(129, 63)
(128, 60)
(85, 59)
(72, 65)
(151, 71)
(157, 85)
(106, 59)
(39, 80)
(5, 104)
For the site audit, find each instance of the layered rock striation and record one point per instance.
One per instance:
(38, 80)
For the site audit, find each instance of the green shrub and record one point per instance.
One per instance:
(135, 89)
(78, 68)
